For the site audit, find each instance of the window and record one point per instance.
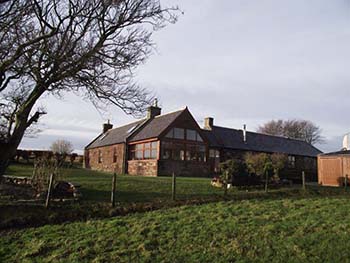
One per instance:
(191, 135)
(195, 153)
(199, 138)
(178, 152)
(99, 156)
(183, 151)
(174, 151)
(191, 152)
(201, 153)
(291, 161)
(142, 151)
(147, 151)
(114, 155)
(170, 134)
(167, 150)
(214, 153)
(179, 133)
(154, 150)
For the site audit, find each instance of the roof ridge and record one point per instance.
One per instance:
(145, 119)
(169, 113)
(135, 122)
(265, 134)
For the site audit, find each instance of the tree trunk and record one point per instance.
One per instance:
(8, 149)
(6, 153)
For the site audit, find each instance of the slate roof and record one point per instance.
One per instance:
(156, 126)
(344, 152)
(233, 139)
(114, 136)
(140, 130)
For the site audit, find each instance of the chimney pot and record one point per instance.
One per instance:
(154, 110)
(107, 126)
(208, 123)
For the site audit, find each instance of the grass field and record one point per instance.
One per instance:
(285, 230)
(96, 186)
(133, 194)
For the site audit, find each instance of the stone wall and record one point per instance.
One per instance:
(143, 167)
(183, 168)
(107, 161)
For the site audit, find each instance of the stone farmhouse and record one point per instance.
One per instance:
(174, 143)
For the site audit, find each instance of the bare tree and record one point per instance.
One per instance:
(296, 129)
(62, 147)
(91, 48)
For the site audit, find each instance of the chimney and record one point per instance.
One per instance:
(154, 110)
(208, 123)
(107, 126)
(245, 133)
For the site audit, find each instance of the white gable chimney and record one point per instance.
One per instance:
(208, 123)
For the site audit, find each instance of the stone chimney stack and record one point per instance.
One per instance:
(208, 123)
(107, 126)
(154, 110)
(244, 133)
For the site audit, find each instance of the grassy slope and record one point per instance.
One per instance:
(96, 186)
(304, 230)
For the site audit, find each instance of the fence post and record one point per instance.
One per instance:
(303, 179)
(173, 192)
(114, 184)
(49, 190)
(346, 182)
(225, 183)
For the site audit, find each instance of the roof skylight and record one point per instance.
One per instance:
(132, 129)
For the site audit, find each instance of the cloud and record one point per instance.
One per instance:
(240, 62)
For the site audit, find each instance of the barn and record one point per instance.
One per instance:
(333, 168)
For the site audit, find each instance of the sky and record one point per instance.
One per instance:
(238, 61)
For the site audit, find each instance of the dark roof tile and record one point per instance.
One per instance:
(136, 131)
(343, 152)
(156, 126)
(233, 139)
(116, 135)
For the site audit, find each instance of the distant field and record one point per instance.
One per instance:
(286, 230)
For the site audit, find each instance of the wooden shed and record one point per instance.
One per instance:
(333, 168)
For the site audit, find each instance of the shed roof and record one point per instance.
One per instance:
(258, 142)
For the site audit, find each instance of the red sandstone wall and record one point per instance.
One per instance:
(143, 167)
(107, 163)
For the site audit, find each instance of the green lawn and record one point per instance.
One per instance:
(134, 193)
(96, 186)
(312, 229)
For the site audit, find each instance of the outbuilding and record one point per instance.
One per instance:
(333, 168)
